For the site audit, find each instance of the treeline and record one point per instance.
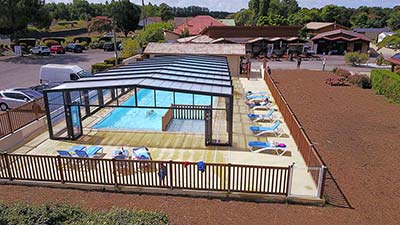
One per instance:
(190, 11)
(288, 12)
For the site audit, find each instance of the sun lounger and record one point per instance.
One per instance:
(141, 153)
(90, 152)
(261, 106)
(260, 146)
(117, 154)
(64, 153)
(249, 93)
(274, 129)
(261, 117)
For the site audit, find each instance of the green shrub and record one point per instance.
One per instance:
(49, 43)
(101, 66)
(386, 83)
(342, 72)
(360, 80)
(84, 44)
(130, 47)
(355, 58)
(64, 214)
(111, 60)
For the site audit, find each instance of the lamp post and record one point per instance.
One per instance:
(115, 41)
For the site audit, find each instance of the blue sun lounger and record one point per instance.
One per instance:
(90, 152)
(261, 117)
(259, 130)
(141, 153)
(260, 146)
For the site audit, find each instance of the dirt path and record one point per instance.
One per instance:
(356, 132)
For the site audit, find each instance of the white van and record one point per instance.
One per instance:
(56, 74)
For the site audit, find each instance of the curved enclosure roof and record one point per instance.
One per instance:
(207, 75)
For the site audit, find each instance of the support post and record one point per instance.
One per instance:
(321, 181)
(290, 180)
(229, 178)
(115, 172)
(9, 122)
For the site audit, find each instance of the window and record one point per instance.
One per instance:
(9, 95)
(20, 96)
(73, 76)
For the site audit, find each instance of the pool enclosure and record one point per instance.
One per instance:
(187, 87)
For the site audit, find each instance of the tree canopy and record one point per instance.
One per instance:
(125, 15)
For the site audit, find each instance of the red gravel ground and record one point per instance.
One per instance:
(356, 133)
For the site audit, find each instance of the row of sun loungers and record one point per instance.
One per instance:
(80, 151)
(261, 101)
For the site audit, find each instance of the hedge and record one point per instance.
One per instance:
(111, 60)
(386, 83)
(63, 214)
(101, 66)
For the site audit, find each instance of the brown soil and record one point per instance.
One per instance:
(356, 133)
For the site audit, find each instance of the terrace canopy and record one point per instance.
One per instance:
(207, 76)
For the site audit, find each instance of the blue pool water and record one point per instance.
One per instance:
(140, 118)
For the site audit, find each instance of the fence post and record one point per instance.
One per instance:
(60, 169)
(9, 121)
(170, 174)
(8, 166)
(290, 179)
(321, 181)
(229, 178)
(114, 172)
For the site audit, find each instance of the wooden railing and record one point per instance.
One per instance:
(189, 112)
(167, 119)
(304, 144)
(156, 174)
(185, 112)
(20, 116)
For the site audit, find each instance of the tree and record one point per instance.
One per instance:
(359, 20)
(15, 15)
(394, 20)
(154, 33)
(126, 15)
(333, 13)
(244, 17)
(254, 6)
(272, 20)
(100, 24)
(166, 12)
(263, 8)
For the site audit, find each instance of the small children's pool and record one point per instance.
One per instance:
(147, 118)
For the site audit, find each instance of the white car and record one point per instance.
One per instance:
(40, 50)
(15, 97)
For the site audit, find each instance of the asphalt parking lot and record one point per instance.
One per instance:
(24, 71)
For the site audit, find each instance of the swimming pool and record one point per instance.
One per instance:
(141, 118)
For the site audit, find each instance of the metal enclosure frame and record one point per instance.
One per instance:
(194, 75)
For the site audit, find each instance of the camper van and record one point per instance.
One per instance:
(56, 74)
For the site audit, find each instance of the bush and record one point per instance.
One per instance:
(112, 60)
(342, 72)
(130, 47)
(84, 44)
(360, 80)
(386, 83)
(101, 66)
(336, 81)
(64, 214)
(355, 58)
(49, 43)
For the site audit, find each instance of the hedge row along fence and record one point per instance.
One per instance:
(108, 63)
(386, 83)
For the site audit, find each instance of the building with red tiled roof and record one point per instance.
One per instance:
(197, 24)
(340, 41)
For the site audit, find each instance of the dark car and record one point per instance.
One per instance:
(109, 46)
(57, 49)
(77, 48)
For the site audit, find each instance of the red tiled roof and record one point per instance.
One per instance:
(355, 36)
(198, 24)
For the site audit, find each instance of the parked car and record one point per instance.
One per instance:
(109, 46)
(40, 50)
(77, 48)
(56, 74)
(15, 97)
(57, 49)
